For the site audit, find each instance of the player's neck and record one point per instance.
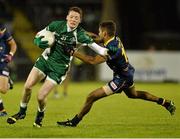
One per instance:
(107, 39)
(70, 29)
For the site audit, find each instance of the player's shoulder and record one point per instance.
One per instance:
(82, 32)
(114, 42)
(58, 22)
(80, 29)
(6, 35)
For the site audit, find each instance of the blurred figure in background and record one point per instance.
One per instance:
(7, 50)
(151, 48)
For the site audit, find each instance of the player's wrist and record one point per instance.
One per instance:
(11, 53)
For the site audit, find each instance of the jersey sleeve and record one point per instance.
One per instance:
(7, 36)
(114, 49)
(83, 37)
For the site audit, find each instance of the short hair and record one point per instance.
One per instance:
(109, 26)
(2, 27)
(76, 9)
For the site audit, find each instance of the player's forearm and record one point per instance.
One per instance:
(84, 58)
(13, 46)
(98, 49)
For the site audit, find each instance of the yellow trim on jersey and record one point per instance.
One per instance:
(132, 85)
(2, 31)
(10, 38)
(109, 41)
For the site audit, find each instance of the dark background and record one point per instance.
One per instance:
(141, 24)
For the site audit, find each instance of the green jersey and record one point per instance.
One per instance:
(63, 38)
(54, 62)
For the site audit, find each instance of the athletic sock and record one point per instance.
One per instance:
(161, 101)
(40, 114)
(41, 110)
(75, 120)
(22, 110)
(39, 117)
(1, 105)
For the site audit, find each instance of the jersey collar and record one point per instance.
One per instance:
(109, 41)
(2, 31)
(69, 29)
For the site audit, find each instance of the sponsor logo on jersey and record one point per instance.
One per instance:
(113, 85)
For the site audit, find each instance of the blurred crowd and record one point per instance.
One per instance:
(141, 24)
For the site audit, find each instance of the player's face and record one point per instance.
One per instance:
(101, 34)
(73, 19)
(2, 30)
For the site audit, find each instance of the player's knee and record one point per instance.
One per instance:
(3, 90)
(132, 95)
(27, 87)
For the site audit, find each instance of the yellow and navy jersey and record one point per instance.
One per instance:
(118, 60)
(5, 36)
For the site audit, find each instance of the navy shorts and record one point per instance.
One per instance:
(4, 71)
(120, 83)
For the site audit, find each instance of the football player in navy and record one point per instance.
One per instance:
(7, 50)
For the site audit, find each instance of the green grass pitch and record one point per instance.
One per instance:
(116, 116)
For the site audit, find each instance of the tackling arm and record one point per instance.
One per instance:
(90, 59)
(13, 46)
(98, 49)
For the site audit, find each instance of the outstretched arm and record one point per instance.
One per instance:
(90, 59)
(98, 49)
(13, 46)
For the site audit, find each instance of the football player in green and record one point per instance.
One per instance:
(54, 62)
(123, 74)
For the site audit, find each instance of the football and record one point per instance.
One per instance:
(48, 36)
